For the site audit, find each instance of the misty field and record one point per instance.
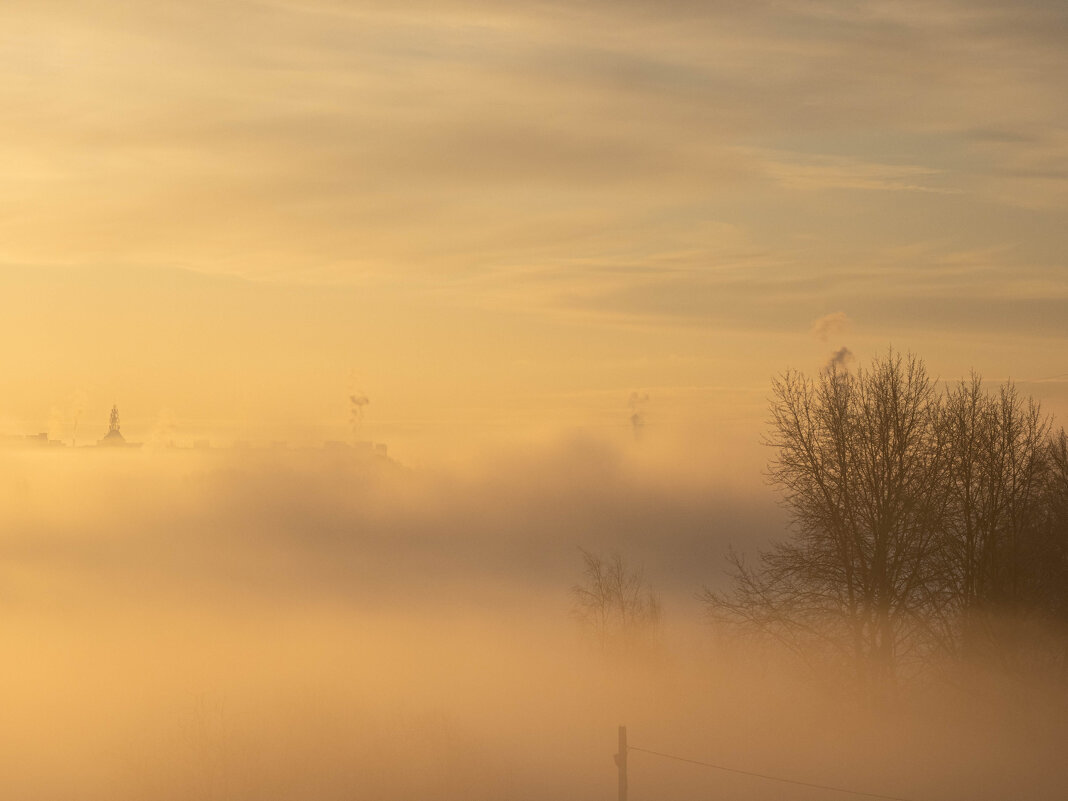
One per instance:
(307, 624)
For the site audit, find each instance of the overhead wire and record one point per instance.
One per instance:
(767, 776)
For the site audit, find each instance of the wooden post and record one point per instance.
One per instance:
(621, 763)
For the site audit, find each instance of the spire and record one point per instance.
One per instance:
(113, 436)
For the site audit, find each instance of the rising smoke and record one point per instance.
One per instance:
(64, 419)
(636, 403)
(830, 325)
(163, 432)
(357, 403)
(840, 359)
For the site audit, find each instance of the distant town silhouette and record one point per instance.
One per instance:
(113, 439)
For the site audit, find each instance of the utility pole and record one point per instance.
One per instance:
(621, 763)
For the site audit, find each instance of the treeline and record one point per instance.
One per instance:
(929, 525)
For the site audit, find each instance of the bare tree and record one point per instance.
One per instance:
(615, 602)
(860, 460)
(924, 525)
(1034, 633)
(999, 454)
(1052, 568)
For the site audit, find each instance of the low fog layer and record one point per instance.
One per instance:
(278, 625)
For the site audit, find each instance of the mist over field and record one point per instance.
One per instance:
(316, 624)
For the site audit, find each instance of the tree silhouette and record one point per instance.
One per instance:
(997, 487)
(615, 603)
(926, 525)
(859, 460)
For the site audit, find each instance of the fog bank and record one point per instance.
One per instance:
(272, 625)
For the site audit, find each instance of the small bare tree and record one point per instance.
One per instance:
(615, 603)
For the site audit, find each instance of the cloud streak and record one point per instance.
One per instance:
(399, 129)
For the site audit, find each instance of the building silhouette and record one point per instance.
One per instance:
(114, 438)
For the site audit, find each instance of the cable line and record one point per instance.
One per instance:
(766, 776)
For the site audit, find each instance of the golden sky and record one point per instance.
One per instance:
(505, 218)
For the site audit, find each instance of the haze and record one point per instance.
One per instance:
(185, 624)
(549, 257)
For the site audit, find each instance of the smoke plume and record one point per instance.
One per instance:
(357, 402)
(831, 325)
(164, 430)
(840, 359)
(64, 419)
(635, 403)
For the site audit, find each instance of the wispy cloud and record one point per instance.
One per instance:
(461, 135)
(820, 172)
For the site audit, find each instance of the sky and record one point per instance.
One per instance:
(505, 220)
